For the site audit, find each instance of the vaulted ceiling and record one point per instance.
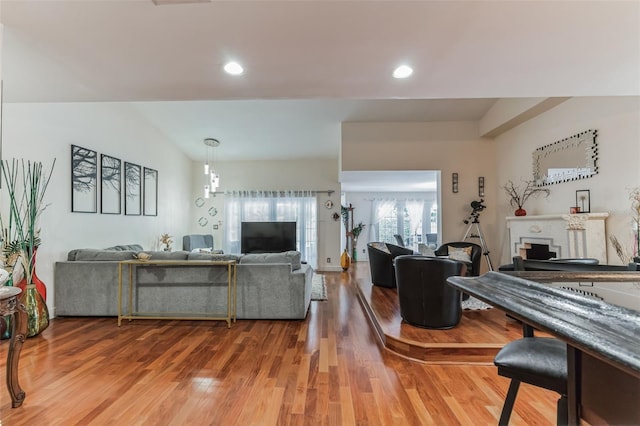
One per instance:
(309, 65)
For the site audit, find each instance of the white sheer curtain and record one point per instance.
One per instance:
(380, 208)
(414, 211)
(281, 206)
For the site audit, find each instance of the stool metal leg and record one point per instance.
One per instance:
(508, 402)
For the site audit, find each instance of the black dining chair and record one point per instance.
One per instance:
(538, 361)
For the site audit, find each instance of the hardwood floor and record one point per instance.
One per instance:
(327, 369)
(477, 339)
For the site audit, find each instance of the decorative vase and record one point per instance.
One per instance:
(37, 311)
(354, 251)
(521, 212)
(40, 286)
(345, 260)
(33, 297)
(5, 322)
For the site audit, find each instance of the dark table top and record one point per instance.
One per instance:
(608, 332)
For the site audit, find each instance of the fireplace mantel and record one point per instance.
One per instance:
(569, 235)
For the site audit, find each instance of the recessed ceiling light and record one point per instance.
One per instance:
(403, 71)
(233, 68)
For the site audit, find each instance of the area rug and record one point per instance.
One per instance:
(318, 288)
(473, 304)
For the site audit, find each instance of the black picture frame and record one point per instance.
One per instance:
(84, 180)
(110, 185)
(150, 193)
(454, 183)
(481, 186)
(132, 189)
(583, 200)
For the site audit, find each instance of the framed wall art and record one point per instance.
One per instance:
(150, 199)
(583, 200)
(110, 185)
(132, 189)
(84, 180)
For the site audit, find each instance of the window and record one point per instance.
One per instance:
(413, 219)
(252, 206)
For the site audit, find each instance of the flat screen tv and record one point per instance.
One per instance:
(267, 237)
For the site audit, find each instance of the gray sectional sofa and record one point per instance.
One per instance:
(269, 286)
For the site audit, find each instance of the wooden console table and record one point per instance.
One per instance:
(9, 306)
(132, 264)
(602, 341)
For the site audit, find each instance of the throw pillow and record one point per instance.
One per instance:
(290, 257)
(462, 254)
(380, 246)
(202, 250)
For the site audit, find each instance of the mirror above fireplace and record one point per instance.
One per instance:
(568, 159)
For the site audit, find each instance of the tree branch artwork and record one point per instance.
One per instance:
(84, 177)
(133, 189)
(111, 177)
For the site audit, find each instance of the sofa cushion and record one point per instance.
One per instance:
(100, 255)
(290, 257)
(212, 256)
(126, 247)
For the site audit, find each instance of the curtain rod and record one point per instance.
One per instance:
(321, 191)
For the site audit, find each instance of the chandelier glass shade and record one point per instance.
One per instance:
(212, 182)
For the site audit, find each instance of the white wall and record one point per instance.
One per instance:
(43, 132)
(318, 175)
(447, 146)
(617, 120)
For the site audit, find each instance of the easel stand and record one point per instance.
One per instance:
(475, 223)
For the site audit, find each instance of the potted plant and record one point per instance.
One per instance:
(355, 232)
(519, 194)
(166, 240)
(26, 183)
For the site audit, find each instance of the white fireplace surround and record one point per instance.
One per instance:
(568, 235)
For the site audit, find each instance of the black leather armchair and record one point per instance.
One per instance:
(399, 240)
(476, 254)
(426, 300)
(381, 257)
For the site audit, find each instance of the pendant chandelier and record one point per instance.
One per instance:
(212, 178)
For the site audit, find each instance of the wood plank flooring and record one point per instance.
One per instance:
(477, 339)
(325, 370)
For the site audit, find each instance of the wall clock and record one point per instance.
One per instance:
(328, 204)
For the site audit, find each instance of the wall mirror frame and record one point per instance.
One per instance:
(566, 160)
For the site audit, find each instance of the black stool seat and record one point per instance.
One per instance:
(539, 361)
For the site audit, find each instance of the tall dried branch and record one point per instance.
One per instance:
(519, 194)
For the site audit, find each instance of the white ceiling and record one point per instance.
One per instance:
(311, 65)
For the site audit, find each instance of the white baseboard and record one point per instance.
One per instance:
(329, 268)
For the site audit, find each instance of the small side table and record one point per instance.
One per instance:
(9, 306)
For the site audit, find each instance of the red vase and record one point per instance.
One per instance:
(521, 212)
(40, 286)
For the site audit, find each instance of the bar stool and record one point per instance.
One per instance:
(539, 361)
